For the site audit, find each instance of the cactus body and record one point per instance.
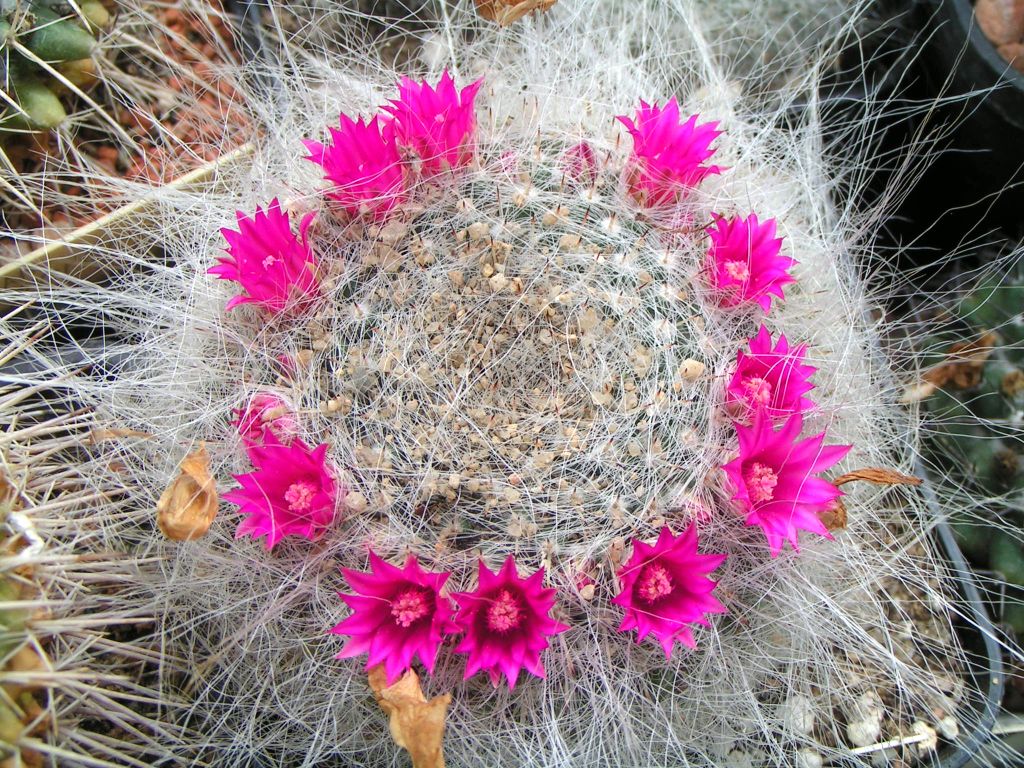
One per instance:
(979, 418)
(43, 109)
(978, 427)
(53, 33)
(57, 39)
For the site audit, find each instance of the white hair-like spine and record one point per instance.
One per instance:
(818, 649)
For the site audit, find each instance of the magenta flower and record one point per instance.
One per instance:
(772, 379)
(291, 493)
(580, 163)
(364, 164)
(776, 482)
(744, 265)
(507, 623)
(274, 267)
(665, 587)
(436, 123)
(667, 157)
(265, 417)
(397, 614)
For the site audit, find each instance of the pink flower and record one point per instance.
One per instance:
(667, 157)
(274, 267)
(436, 123)
(291, 492)
(265, 417)
(771, 379)
(665, 587)
(397, 614)
(580, 163)
(364, 164)
(507, 622)
(744, 264)
(775, 477)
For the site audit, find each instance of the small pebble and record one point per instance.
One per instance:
(569, 243)
(479, 231)
(355, 502)
(809, 758)
(555, 216)
(797, 714)
(931, 738)
(691, 370)
(863, 733)
(948, 727)
(498, 283)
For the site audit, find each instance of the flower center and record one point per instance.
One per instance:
(409, 606)
(269, 260)
(655, 582)
(504, 613)
(758, 390)
(300, 495)
(737, 270)
(761, 481)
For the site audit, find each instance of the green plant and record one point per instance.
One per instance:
(977, 415)
(46, 48)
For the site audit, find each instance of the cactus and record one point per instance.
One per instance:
(47, 31)
(978, 423)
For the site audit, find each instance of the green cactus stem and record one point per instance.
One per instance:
(53, 33)
(42, 108)
(57, 39)
(977, 423)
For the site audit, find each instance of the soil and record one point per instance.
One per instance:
(160, 84)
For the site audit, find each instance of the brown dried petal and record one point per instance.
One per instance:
(1013, 383)
(964, 363)
(878, 476)
(417, 725)
(506, 12)
(834, 517)
(188, 506)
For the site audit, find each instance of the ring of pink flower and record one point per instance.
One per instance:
(399, 615)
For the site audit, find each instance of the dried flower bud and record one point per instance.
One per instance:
(417, 725)
(189, 504)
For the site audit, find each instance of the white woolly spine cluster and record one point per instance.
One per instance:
(813, 642)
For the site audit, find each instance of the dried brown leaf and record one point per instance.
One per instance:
(878, 476)
(506, 12)
(187, 508)
(964, 363)
(417, 725)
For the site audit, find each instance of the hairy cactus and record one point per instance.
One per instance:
(511, 359)
(46, 47)
(977, 417)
